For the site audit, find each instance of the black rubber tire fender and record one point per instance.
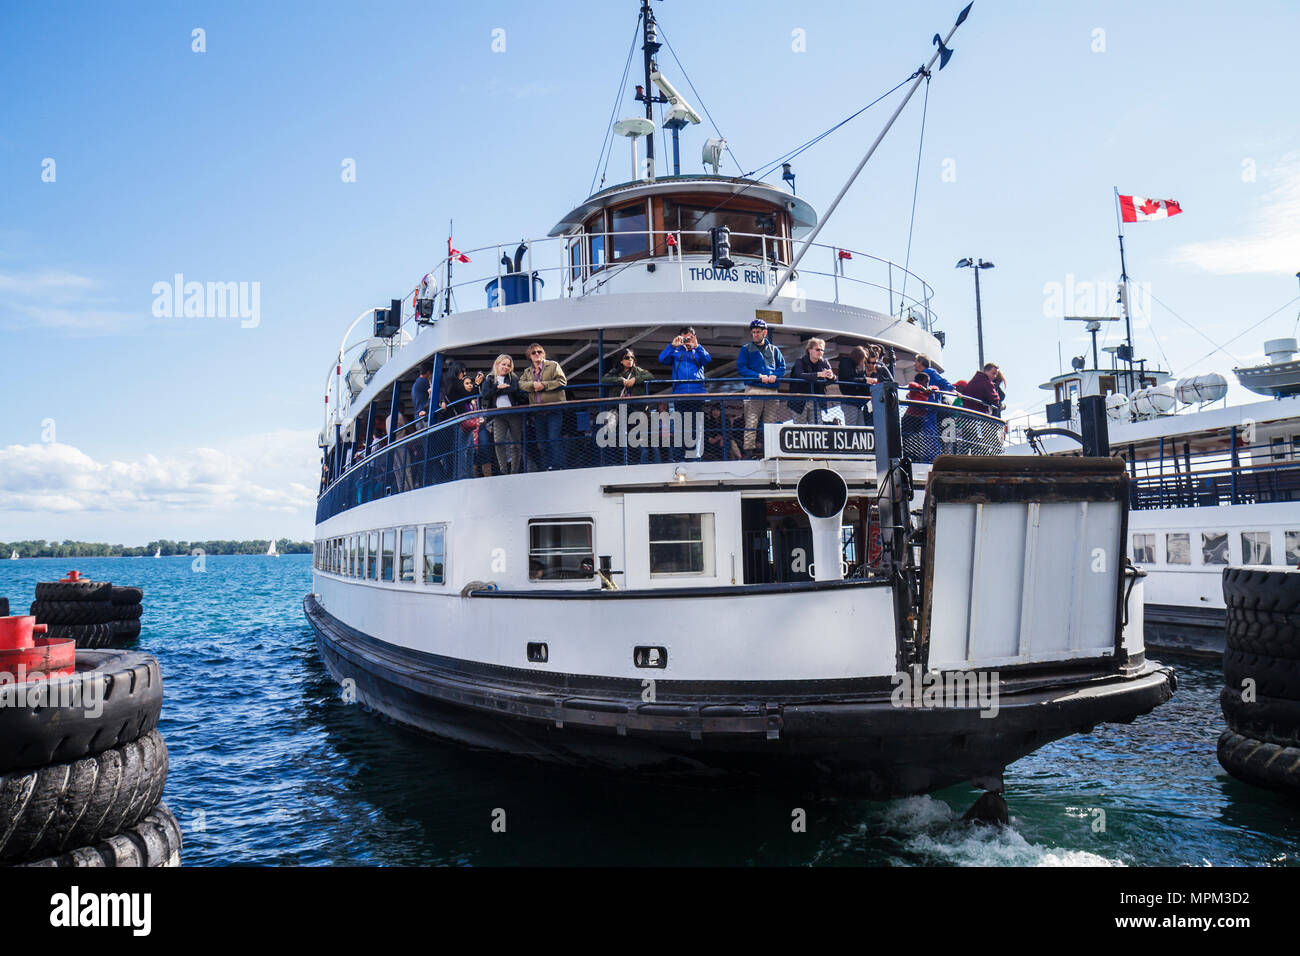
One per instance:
(1257, 588)
(127, 595)
(63, 806)
(123, 632)
(1273, 676)
(1275, 633)
(72, 612)
(127, 612)
(89, 636)
(1260, 763)
(1265, 718)
(73, 591)
(128, 695)
(154, 841)
(4, 607)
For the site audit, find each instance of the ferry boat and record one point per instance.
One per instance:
(698, 569)
(1211, 484)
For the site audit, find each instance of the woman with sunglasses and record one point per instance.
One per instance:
(625, 380)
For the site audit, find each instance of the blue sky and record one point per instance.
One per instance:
(225, 166)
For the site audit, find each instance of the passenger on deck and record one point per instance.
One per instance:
(501, 390)
(719, 439)
(688, 357)
(467, 433)
(920, 429)
(625, 379)
(420, 394)
(855, 384)
(936, 379)
(762, 366)
(544, 382)
(988, 388)
(814, 374)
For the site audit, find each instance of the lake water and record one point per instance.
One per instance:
(268, 766)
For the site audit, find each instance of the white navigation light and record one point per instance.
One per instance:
(632, 128)
(681, 110)
(712, 153)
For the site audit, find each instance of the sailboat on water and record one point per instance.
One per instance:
(14, 556)
(271, 552)
(158, 553)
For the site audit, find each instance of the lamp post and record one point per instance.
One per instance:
(977, 265)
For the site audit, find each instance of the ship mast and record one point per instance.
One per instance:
(1123, 298)
(649, 47)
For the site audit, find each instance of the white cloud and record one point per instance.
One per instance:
(1272, 244)
(264, 472)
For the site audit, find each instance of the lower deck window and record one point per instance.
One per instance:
(386, 556)
(1214, 547)
(1292, 548)
(372, 556)
(1256, 548)
(1178, 548)
(1144, 549)
(407, 568)
(435, 553)
(560, 550)
(681, 544)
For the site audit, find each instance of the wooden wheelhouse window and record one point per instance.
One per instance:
(629, 231)
(753, 232)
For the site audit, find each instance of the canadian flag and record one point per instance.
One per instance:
(1141, 209)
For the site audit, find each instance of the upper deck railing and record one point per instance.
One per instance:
(594, 432)
(828, 273)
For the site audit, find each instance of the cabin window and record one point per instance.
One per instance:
(628, 228)
(747, 229)
(560, 550)
(596, 242)
(435, 543)
(386, 555)
(681, 544)
(575, 260)
(372, 556)
(1178, 548)
(1293, 549)
(1256, 547)
(1144, 549)
(1279, 449)
(1214, 547)
(407, 567)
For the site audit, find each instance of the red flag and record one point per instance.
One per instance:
(1141, 209)
(845, 254)
(455, 253)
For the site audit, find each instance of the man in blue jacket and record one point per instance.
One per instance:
(688, 357)
(762, 366)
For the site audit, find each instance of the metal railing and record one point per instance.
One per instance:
(846, 276)
(627, 430)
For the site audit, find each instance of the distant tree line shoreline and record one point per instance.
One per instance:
(95, 549)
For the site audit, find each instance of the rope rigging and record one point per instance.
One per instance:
(916, 185)
(609, 127)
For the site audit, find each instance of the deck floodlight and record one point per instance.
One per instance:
(712, 153)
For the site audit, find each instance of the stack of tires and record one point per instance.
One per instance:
(93, 613)
(1261, 673)
(82, 767)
